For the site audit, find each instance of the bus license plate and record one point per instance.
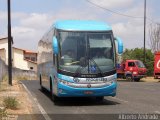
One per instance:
(88, 92)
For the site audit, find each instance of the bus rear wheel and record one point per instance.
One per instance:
(40, 82)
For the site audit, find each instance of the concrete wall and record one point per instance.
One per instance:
(16, 72)
(3, 54)
(3, 69)
(4, 44)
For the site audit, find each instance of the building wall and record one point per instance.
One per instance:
(19, 62)
(33, 65)
(17, 56)
(4, 44)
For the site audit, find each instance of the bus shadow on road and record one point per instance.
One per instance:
(84, 101)
(81, 101)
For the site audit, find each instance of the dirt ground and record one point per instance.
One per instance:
(146, 79)
(25, 106)
(150, 79)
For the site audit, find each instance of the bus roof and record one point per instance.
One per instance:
(81, 25)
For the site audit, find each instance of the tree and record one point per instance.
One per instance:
(154, 34)
(137, 54)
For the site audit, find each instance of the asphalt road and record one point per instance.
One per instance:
(132, 98)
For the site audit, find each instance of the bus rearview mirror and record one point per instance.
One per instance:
(120, 45)
(55, 45)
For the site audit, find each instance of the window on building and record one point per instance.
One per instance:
(28, 58)
(33, 58)
(31, 68)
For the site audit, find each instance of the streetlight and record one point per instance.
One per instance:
(9, 45)
(144, 31)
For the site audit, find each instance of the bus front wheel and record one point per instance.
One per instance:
(54, 98)
(100, 98)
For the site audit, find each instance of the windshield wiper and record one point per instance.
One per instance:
(78, 71)
(80, 68)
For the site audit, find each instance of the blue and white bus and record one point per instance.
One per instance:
(78, 59)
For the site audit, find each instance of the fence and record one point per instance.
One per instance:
(16, 73)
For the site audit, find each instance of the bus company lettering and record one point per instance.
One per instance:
(96, 79)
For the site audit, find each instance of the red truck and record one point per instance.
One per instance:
(132, 70)
(157, 65)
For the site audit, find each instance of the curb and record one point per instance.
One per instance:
(36, 104)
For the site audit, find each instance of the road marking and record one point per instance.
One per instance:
(37, 103)
(158, 112)
(119, 99)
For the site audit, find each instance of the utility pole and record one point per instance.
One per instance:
(144, 31)
(9, 45)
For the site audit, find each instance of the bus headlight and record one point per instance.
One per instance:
(111, 81)
(64, 82)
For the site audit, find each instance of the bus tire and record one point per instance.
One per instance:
(40, 82)
(54, 98)
(100, 98)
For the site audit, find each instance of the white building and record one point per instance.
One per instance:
(22, 59)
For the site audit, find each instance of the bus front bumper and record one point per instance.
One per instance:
(67, 91)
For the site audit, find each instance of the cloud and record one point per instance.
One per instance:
(37, 21)
(131, 33)
(26, 38)
(113, 3)
(28, 28)
(31, 27)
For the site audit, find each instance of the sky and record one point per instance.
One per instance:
(32, 18)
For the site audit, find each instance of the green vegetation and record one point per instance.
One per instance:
(11, 103)
(3, 113)
(137, 53)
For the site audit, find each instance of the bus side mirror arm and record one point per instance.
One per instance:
(55, 46)
(120, 45)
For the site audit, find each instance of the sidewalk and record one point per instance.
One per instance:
(26, 110)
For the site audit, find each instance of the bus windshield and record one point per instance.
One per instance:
(86, 52)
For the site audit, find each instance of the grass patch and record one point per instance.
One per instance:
(3, 113)
(10, 103)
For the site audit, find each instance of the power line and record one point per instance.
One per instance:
(118, 13)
